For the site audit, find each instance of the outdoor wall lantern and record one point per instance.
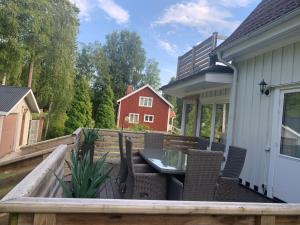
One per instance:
(264, 88)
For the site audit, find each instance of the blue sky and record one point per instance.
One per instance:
(168, 28)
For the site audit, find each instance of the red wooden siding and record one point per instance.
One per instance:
(160, 110)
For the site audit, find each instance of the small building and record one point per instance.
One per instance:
(16, 107)
(147, 107)
(253, 99)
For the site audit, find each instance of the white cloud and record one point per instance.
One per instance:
(114, 11)
(236, 3)
(205, 16)
(84, 6)
(168, 47)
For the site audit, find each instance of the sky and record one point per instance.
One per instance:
(168, 28)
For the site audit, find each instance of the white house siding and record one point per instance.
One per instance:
(253, 118)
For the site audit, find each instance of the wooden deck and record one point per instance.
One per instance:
(109, 190)
(37, 201)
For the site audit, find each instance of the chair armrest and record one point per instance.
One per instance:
(175, 191)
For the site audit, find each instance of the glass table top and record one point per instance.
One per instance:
(166, 161)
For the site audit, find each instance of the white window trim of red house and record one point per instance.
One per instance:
(131, 115)
(148, 121)
(143, 98)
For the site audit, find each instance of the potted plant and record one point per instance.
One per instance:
(88, 145)
(87, 177)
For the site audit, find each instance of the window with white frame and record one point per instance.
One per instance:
(148, 118)
(145, 101)
(134, 118)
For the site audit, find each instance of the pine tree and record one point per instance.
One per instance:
(105, 116)
(80, 112)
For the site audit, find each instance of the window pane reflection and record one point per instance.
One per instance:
(290, 129)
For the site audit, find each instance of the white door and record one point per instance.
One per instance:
(286, 184)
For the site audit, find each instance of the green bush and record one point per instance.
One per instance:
(139, 127)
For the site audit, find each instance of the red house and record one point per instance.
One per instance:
(145, 106)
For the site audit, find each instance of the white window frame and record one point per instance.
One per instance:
(147, 121)
(214, 102)
(134, 114)
(143, 98)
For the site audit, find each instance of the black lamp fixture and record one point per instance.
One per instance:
(264, 89)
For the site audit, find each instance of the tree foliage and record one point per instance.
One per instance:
(105, 117)
(177, 103)
(80, 112)
(151, 75)
(126, 58)
(40, 36)
(38, 48)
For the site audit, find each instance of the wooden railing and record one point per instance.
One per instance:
(196, 59)
(14, 169)
(37, 200)
(109, 142)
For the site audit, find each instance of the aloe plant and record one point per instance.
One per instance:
(88, 146)
(86, 176)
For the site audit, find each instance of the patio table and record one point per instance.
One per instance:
(166, 161)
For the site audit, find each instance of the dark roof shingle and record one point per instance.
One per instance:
(10, 96)
(266, 12)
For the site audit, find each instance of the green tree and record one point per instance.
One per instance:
(36, 27)
(177, 103)
(105, 116)
(80, 112)
(126, 59)
(151, 75)
(11, 51)
(55, 85)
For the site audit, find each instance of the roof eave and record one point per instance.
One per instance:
(285, 18)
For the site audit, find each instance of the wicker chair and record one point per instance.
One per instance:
(228, 182)
(142, 182)
(123, 170)
(153, 141)
(217, 147)
(228, 190)
(235, 162)
(202, 172)
(202, 144)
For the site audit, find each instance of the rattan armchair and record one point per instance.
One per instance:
(202, 172)
(235, 162)
(142, 182)
(202, 144)
(123, 170)
(153, 141)
(218, 147)
(228, 182)
(228, 190)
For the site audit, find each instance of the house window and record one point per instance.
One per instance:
(148, 118)
(145, 101)
(134, 118)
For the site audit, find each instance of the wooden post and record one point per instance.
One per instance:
(265, 220)
(44, 219)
